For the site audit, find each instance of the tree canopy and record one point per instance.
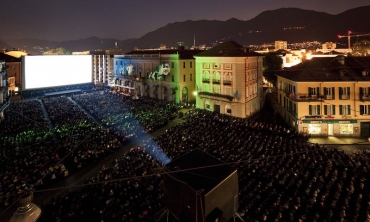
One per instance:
(272, 64)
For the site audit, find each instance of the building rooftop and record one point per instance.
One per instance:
(329, 69)
(183, 53)
(229, 49)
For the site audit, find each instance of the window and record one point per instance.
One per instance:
(191, 77)
(364, 109)
(314, 109)
(344, 92)
(345, 109)
(206, 66)
(364, 93)
(173, 77)
(191, 64)
(216, 65)
(313, 91)
(183, 65)
(172, 65)
(329, 109)
(329, 92)
(184, 78)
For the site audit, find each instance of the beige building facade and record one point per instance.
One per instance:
(229, 80)
(327, 97)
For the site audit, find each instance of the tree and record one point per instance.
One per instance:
(361, 48)
(272, 64)
(58, 51)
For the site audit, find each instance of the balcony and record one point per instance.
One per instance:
(365, 97)
(216, 81)
(344, 97)
(206, 80)
(306, 98)
(227, 82)
(209, 94)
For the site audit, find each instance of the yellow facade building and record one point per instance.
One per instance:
(327, 96)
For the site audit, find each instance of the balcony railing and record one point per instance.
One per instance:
(227, 82)
(329, 97)
(344, 97)
(306, 98)
(216, 81)
(206, 80)
(365, 97)
(230, 98)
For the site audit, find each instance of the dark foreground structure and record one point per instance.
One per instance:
(199, 187)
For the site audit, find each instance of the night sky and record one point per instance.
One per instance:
(59, 20)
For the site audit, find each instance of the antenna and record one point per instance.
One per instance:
(194, 41)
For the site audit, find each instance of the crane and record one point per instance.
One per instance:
(349, 34)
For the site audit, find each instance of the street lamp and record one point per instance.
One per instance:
(27, 211)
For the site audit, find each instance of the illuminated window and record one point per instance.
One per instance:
(346, 128)
(314, 129)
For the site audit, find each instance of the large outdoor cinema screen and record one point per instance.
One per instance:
(56, 70)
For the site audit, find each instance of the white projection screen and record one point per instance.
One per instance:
(56, 70)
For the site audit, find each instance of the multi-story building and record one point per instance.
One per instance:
(167, 74)
(229, 80)
(281, 45)
(103, 73)
(14, 71)
(327, 96)
(4, 98)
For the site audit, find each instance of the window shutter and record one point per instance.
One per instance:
(348, 91)
(318, 110)
(317, 91)
(325, 110)
(333, 109)
(349, 110)
(333, 92)
(340, 110)
(309, 91)
(310, 109)
(362, 109)
(340, 91)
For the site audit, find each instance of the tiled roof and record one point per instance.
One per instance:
(228, 49)
(330, 69)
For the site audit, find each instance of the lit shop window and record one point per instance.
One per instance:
(346, 128)
(314, 129)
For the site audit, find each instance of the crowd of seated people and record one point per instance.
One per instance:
(130, 116)
(25, 153)
(281, 176)
(32, 157)
(82, 140)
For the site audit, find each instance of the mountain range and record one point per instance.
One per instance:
(288, 24)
